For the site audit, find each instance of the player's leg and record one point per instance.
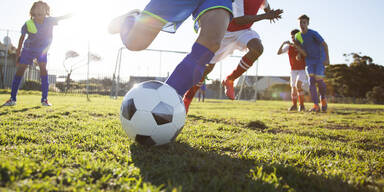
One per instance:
(213, 23)
(311, 69)
(44, 81)
(255, 48)
(26, 58)
(321, 84)
(138, 29)
(199, 95)
(300, 90)
(188, 96)
(293, 91)
(139, 36)
(203, 94)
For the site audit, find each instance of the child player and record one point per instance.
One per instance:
(316, 60)
(138, 30)
(298, 76)
(39, 30)
(239, 36)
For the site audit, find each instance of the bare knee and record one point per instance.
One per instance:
(255, 47)
(212, 44)
(20, 69)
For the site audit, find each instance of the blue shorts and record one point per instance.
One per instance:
(174, 12)
(27, 57)
(203, 87)
(315, 66)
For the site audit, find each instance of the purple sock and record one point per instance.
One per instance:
(15, 86)
(322, 88)
(313, 90)
(44, 87)
(191, 69)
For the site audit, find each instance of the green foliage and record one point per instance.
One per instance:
(32, 85)
(376, 95)
(77, 145)
(355, 80)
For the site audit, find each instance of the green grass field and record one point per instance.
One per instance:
(224, 146)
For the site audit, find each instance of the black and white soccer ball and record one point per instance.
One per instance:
(152, 113)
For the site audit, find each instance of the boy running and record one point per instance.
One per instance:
(239, 36)
(316, 60)
(138, 30)
(298, 76)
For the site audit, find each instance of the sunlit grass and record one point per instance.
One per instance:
(224, 146)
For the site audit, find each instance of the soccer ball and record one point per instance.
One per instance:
(152, 113)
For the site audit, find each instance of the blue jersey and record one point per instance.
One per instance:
(312, 44)
(41, 40)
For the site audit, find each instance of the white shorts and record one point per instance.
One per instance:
(232, 41)
(298, 75)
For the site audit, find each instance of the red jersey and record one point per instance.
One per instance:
(245, 7)
(295, 64)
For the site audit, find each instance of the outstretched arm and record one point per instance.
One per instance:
(249, 19)
(64, 17)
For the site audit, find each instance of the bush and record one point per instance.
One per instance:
(32, 85)
(376, 95)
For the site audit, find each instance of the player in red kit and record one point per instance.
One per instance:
(239, 36)
(298, 76)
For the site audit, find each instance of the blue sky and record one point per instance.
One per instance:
(346, 25)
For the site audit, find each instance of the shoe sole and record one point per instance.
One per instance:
(115, 25)
(225, 90)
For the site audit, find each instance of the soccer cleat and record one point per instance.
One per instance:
(315, 108)
(228, 88)
(293, 108)
(301, 108)
(10, 102)
(187, 102)
(115, 25)
(46, 103)
(324, 105)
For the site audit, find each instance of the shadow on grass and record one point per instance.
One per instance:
(19, 110)
(254, 125)
(181, 166)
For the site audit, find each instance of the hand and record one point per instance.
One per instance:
(274, 15)
(287, 43)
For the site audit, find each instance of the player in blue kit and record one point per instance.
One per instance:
(138, 30)
(39, 30)
(316, 60)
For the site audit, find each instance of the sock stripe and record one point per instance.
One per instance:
(244, 65)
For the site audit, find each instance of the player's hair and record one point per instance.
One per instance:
(304, 17)
(40, 3)
(293, 32)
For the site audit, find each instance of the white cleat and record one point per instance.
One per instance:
(115, 25)
(10, 102)
(46, 103)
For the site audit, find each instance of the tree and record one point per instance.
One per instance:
(355, 79)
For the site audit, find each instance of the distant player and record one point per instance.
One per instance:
(316, 60)
(203, 88)
(239, 36)
(298, 76)
(39, 30)
(138, 30)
